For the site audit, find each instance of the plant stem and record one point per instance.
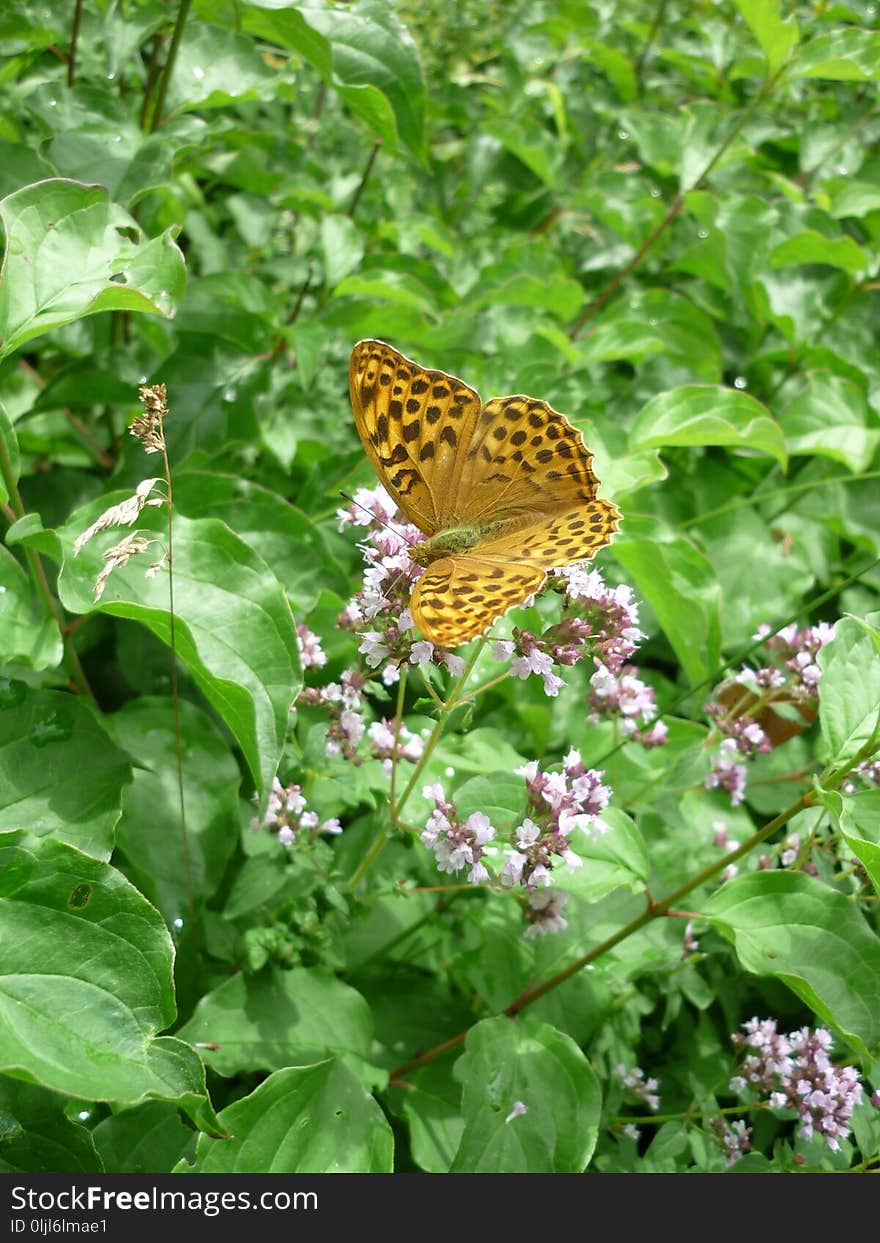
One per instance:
(364, 178)
(168, 69)
(395, 808)
(74, 39)
(175, 690)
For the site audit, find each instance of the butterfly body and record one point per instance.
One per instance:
(453, 542)
(504, 490)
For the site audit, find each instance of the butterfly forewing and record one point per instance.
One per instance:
(525, 458)
(416, 426)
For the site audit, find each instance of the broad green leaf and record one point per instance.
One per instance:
(527, 140)
(849, 702)
(432, 1106)
(128, 163)
(555, 292)
(86, 981)
(618, 857)
(858, 818)
(302, 1120)
(24, 635)
(530, 1101)
(776, 35)
(794, 927)
(149, 831)
(36, 1137)
(831, 418)
(222, 592)
(814, 247)
(215, 68)
(362, 52)
(287, 540)
(145, 1139)
(70, 252)
(698, 414)
(847, 55)
(277, 1019)
(678, 583)
(60, 774)
(686, 331)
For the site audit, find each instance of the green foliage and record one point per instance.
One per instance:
(666, 225)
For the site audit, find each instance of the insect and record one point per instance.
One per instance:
(504, 490)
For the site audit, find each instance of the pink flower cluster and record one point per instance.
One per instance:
(344, 701)
(286, 815)
(311, 654)
(543, 911)
(635, 1082)
(559, 803)
(391, 740)
(624, 697)
(456, 844)
(794, 678)
(735, 1138)
(379, 612)
(797, 650)
(795, 1072)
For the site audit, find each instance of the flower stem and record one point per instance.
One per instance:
(395, 808)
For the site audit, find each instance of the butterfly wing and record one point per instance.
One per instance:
(561, 540)
(416, 426)
(457, 598)
(525, 460)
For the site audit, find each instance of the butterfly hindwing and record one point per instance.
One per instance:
(457, 598)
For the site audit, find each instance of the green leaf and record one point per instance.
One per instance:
(776, 36)
(858, 818)
(24, 635)
(791, 926)
(698, 414)
(679, 584)
(146, 1139)
(849, 703)
(831, 418)
(86, 981)
(222, 592)
(617, 858)
(363, 52)
(60, 774)
(70, 252)
(509, 1065)
(277, 1019)
(303, 1120)
(432, 1108)
(847, 55)
(814, 247)
(169, 872)
(36, 1137)
(215, 68)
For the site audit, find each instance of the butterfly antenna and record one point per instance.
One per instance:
(381, 521)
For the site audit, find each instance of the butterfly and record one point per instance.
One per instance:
(504, 490)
